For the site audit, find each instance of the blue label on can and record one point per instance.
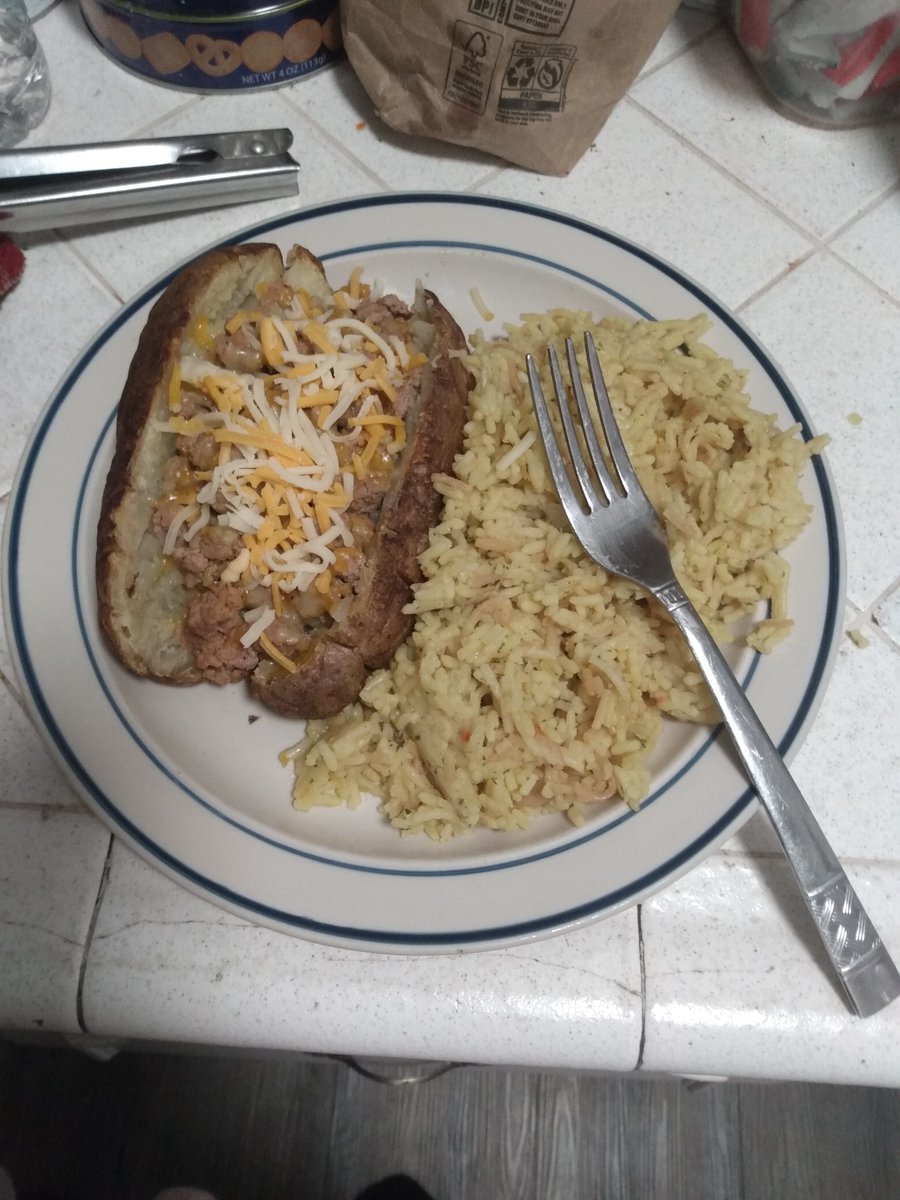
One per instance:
(189, 47)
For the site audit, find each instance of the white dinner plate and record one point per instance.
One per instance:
(190, 777)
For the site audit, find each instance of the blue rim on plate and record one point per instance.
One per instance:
(596, 905)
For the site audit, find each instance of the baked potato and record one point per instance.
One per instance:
(271, 485)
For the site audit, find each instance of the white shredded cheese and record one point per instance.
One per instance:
(236, 568)
(199, 524)
(376, 339)
(260, 625)
(187, 513)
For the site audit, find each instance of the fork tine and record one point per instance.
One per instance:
(631, 485)
(576, 457)
(548, 436)
(587, 425)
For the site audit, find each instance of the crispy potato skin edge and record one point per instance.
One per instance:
(158, 349)
(377, 626)
(333, 674)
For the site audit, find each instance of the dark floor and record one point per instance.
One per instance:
(72, 1128)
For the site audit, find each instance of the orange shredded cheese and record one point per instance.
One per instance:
(175, 389)
(264, 441)
(201, 334)
(275, 654)
(316, 333)
(270, 340)
(244, 317)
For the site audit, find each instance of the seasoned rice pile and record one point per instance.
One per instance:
(533, 681)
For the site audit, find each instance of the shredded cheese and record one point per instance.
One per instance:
(175, 388)
(187, 513)
(258, 628)
(275, 654)
(291, 442)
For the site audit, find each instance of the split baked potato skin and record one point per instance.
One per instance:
(139, 598)
(143, 599)
(342, 659)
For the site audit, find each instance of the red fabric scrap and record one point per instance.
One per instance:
(12, 264)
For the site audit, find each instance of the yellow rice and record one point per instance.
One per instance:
(533, 681)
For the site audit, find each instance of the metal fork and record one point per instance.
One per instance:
(618, 527)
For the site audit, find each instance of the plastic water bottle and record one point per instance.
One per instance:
(24, 80)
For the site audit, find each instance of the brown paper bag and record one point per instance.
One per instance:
(531, 81)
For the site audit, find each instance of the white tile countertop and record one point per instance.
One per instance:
(796, 229)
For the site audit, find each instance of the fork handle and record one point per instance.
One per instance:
(866, 970)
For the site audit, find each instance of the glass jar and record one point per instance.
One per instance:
(24, 81)
(829, 63)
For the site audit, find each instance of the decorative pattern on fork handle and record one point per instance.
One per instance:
(843, 923)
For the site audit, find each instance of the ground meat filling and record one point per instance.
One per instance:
(201, 560)
(215, 620)
(200, 449)
(368, 496)
(388, 315)
(212, 630)
(238, 353)
(406, 393)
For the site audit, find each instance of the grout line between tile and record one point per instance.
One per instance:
(863, 212)
(688, 45)
(63, 236)
(742, 1157)
(777, 856)
(830, 252)
(729, 175)
(865, 618)
(865, 614)
(484, 180)
(351, 156)
(10, 685)
(782, 274)
(77, 807)
(148, 126)
(11, 688)
(82, 969)
(886, 638)
(342, 147)
(827, 251)
(817, 242)
(643, 1039)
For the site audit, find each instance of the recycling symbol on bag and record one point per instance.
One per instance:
(534, 81)
(550, 75)
(521, 72)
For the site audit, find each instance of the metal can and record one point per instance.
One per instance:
(214, 46)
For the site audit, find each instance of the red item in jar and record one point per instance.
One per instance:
(888, 74)
(755, 25)
(859, 55)
(12, 264)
